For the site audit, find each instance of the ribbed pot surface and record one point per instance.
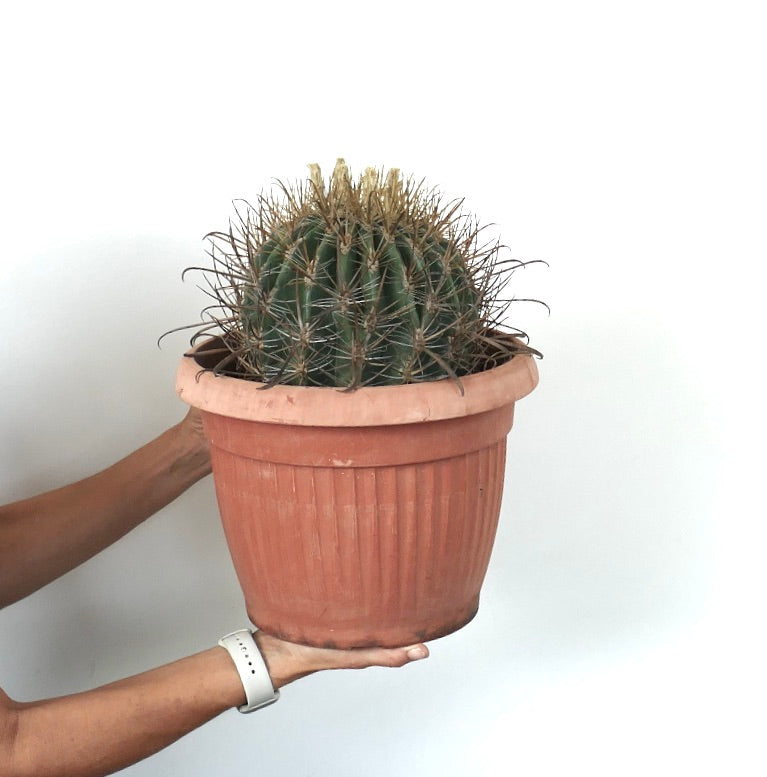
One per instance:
(361, 555)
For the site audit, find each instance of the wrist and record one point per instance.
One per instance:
(274, 658)
(282, 660)
(192, 453)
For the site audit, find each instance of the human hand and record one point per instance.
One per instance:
(287, 661)
(195, 442)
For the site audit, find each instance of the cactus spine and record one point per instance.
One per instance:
(353, 283)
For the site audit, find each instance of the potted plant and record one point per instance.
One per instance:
(357, 386)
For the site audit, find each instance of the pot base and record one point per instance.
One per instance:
(399, 635)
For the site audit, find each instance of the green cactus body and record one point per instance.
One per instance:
(352, 284)
(348, 305)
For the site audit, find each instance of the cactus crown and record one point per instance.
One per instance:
(375, 281)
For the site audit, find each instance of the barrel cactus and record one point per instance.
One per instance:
(348, 283)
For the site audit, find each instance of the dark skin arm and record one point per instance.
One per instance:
(45, 536)
(106, 729)
(101, 731)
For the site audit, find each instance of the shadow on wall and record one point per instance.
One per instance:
(85, 380)
(606, 537)
(88, 385)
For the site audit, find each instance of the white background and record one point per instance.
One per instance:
(624, 143)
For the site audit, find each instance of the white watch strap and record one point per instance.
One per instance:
(252, 670)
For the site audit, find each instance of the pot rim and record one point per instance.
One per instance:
(412, 403)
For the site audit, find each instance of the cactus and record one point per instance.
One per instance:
(356, 283)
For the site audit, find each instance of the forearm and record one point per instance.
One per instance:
(101, 731)
(43, 537)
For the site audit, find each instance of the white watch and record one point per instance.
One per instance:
(251, 667)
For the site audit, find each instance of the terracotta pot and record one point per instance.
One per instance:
(359, 518)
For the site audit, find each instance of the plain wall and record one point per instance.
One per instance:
(621, 143)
